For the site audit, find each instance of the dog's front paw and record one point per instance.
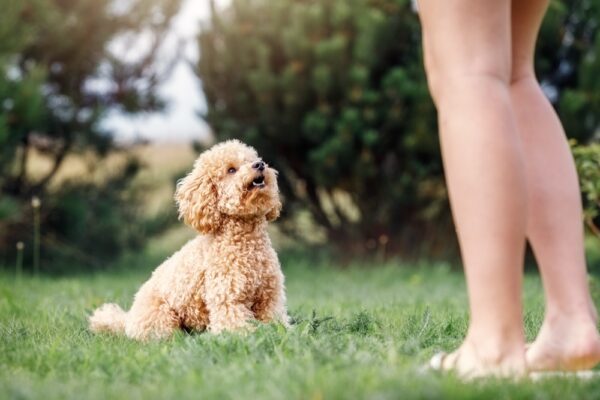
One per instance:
(235, 327)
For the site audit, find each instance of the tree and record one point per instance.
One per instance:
(59, 76)
(333, 94)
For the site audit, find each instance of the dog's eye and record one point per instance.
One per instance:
(231, 170)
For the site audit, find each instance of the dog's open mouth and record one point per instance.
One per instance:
(258, 182)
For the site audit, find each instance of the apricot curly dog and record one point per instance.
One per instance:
(227, 275)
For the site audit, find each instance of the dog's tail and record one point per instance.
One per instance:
(108, 318)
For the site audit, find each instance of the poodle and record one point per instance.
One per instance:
(226, 276)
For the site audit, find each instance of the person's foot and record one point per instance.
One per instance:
(469, 362)
(565, 343)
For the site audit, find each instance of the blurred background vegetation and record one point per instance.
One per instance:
(332, 93)
(58, 81)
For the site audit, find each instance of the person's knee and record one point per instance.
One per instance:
(446, 82)
(522, 73)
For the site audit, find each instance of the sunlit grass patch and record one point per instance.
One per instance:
(357, 333)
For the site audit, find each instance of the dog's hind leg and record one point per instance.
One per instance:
(151, 318)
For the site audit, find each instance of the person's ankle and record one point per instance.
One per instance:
(572, 315)
(494, 348)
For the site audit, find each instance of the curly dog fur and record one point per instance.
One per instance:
(227, 275)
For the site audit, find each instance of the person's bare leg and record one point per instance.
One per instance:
(468, 63)
(568, 338)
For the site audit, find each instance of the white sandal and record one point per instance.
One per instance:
(436, 363)
(583, 375)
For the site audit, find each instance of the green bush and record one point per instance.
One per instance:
(587, 159)
(58, 80)
(81, 222)
(333, 94)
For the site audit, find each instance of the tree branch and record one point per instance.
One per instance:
(22, 174)
(58, 160)
(314, 204)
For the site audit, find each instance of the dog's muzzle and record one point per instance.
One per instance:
(258, 182)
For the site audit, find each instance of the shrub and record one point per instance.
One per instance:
(58, 79)
(333, 94)
(587, 159)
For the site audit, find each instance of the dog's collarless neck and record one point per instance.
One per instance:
(238, 227)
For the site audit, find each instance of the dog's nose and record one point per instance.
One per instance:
(259, 165)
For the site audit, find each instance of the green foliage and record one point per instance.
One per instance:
(59, 77)
(333, 94)
(371, 332)
(587, 159)
(101, 219)
(568, 64)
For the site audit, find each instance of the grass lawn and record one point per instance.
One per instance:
(359, 333)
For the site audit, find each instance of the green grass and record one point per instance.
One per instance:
(359, 333)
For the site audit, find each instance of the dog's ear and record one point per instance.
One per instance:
(196, 197)
(273, 213)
